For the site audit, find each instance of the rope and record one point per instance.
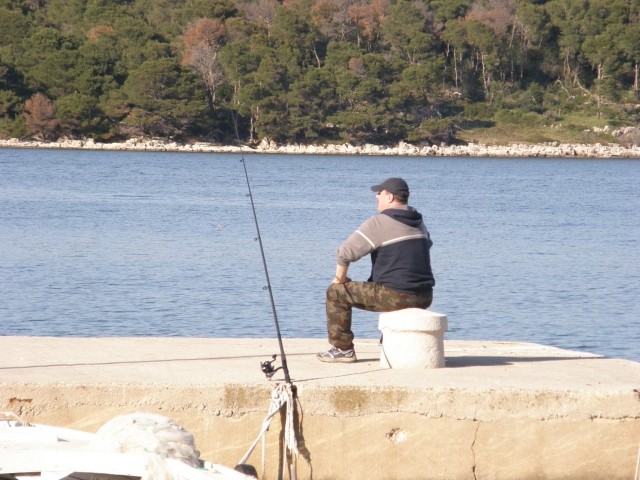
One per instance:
(280, 396)
(638, 464)
(263, 465)
(17, 418)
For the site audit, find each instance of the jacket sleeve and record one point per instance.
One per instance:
(360, 243)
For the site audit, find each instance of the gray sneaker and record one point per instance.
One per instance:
(335, 355)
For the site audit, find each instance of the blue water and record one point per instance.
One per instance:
(164, 244)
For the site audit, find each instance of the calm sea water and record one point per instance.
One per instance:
(164, 244)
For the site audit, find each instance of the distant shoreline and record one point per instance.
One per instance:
(554, 150)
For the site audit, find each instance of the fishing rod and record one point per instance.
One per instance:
(267, 366)
(283, 395)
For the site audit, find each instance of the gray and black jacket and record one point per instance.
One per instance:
(399, 244)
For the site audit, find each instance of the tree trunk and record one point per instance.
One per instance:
(455, 66)
(211, 101)
(567, 66)
(318, 61)
(485, 80)
(251, 127)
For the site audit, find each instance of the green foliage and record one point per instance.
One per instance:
(164, 99)
(449, 9)
(13, 26)
(405, 30)
(98, 67)
(316, 71)
(13, 128)
(434, 131)
(296, 41)
(77, 113)
(522, 118)
(340, 53)
(48, 60)
(65, 15)
(190, 10)
(11, 91)
(8, 103)
(311, 98)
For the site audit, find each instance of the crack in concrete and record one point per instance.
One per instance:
(473, 452)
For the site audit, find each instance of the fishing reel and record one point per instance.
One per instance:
(267, 367)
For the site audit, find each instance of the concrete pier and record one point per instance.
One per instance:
(497, 411)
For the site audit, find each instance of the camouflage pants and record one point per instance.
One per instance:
(373, 297)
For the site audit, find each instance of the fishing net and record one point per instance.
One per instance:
(159, 437)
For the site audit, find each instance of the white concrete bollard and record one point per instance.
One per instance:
(412, 338)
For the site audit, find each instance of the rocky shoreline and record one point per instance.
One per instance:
(554, 150)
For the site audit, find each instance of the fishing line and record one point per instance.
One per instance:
(267, 366)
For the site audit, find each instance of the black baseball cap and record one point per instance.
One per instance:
(395, 185)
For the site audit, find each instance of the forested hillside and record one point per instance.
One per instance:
(318, 71)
